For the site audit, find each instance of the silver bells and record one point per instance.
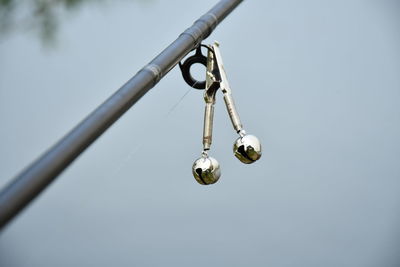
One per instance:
(206, 170)
(247, 148)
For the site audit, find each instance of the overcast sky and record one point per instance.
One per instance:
(317, 81)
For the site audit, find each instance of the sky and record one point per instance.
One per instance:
(316, 81)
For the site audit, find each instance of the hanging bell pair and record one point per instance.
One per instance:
(247, 148)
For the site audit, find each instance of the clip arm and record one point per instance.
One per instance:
(212, 86)
(226, 90)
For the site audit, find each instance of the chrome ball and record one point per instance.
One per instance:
(247, 149)
(206, 170)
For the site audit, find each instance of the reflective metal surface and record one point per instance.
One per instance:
(226, 90)
(212, 86)
(206, 170)
(247, 149)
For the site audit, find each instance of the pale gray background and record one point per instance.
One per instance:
(317, 81)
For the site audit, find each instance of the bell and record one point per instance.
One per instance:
(206, 170)
(247, 149)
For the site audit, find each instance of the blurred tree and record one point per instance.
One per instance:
(39, 15)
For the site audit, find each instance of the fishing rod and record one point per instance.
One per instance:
(27, 185)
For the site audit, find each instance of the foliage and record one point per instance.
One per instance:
(39, 15)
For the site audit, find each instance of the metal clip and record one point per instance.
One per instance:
(247, 148)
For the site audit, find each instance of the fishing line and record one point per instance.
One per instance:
(177, 103)
(133, 151)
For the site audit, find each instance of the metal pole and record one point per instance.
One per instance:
(34, 179)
